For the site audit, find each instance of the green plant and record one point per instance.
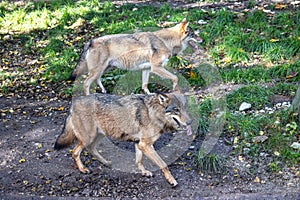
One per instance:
(256, 95)
(204, 111)
(291, 128)
(274, 167)
(212, 163)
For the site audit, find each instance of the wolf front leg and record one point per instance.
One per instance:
(145, 80)
(150, 152)
(139, 156)
(162, 72)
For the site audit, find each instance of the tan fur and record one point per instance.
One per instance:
(146, 51)
(138, 118)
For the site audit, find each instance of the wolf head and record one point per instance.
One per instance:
(187, 35)
(175, 111)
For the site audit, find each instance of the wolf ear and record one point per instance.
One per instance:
(162, 99)
(183, 26)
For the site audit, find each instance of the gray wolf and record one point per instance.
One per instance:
(146, 51)
(140, 118)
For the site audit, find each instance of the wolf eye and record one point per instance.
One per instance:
(175, 109)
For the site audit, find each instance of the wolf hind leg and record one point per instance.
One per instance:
(92, 76)
(103, 90)
(139, 156)
(96, 69)
(76, 156)
(92, 149)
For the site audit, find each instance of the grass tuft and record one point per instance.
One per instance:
(211, 163)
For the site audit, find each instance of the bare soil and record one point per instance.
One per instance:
(31, 169)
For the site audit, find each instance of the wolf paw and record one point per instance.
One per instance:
(147, 173)
(173, 183)
(85, 170)
(108, 164)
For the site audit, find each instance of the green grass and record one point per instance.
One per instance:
(257, 96)
(211, 163)
(252, 48)
(230, 37)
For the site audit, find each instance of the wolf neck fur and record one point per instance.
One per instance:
(169, 37)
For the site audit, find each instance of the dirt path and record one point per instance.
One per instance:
(29, 167)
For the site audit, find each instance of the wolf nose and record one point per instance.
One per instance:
(189, 122)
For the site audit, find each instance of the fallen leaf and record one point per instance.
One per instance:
(291, 75)
(240, 158)
(182, 163)
(261, 133)
(274, 40)
(256, 180)
(235, 140)
(60, 108)
(236, 172)
(280, 6)
(193, 74)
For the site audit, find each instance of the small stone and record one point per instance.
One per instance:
(278, 105)
(296, 145)
(262, 154)
(246, 150)
(192, 147)
(201, 22)
(285, 104)
(244, 106)
(6, 37)
(261, 138)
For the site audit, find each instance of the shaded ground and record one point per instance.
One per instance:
(30, 166)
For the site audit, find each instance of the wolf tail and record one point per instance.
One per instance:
(66, 138)
(81, 66)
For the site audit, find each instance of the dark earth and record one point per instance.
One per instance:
(32, 116)
(30, 168)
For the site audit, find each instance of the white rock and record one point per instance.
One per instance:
(202, 22)
(192, 147)
(296, 145)
(244, 106)
(6, 37)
